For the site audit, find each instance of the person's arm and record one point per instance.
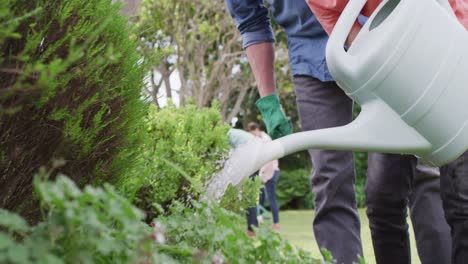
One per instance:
(253, 22)
(262, 61)
(327, 13)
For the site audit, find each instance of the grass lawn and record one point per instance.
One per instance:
(296, 226)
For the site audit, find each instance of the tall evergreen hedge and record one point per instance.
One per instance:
(70, 82)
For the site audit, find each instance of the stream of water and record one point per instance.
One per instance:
(241, 163)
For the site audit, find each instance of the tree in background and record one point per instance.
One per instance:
(197, 39)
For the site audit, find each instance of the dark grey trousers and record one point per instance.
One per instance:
(394, 183)
(393, 180)
(454, 189)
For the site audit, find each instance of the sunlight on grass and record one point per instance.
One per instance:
(296, 226)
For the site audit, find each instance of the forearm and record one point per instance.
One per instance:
(262, 61)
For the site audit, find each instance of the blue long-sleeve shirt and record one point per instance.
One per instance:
(306, 37)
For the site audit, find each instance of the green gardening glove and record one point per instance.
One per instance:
(277, 124)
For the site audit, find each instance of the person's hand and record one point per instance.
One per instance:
(277, 124)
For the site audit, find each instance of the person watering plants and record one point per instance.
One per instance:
(269, 174)
(323, 104)
(454, 176)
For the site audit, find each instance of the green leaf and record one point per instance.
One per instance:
(18, 254)
(13, 222)
(6, 241)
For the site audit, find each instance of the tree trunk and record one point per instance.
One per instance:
(183, 88)
(167, 84)
(155, 89)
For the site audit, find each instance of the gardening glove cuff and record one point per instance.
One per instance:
(276, 122)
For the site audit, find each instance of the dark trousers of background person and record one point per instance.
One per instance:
(270, 192)
(252, 218)
(336, 224)
(252, 213)
(454, 189)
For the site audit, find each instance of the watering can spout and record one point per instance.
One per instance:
(378, 128)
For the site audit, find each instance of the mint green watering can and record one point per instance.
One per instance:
(408, 69)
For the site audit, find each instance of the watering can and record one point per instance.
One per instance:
(408, 69)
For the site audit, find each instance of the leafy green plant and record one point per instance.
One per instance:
(327, 256)
(95, 225)
(361, 170)
(207, 231)
(237, 199)
(360, 161)
(191, 138)
(70, 90)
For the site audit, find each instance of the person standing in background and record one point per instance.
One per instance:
(269, 174)
(322, 104)
(454, 176)
(238, 137)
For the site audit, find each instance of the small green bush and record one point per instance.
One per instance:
(185, 148)
(360, 159)
(237, 199)
(361, 170)
(294, 191)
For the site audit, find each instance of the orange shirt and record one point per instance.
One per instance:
(328, 11)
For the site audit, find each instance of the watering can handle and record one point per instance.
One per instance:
(339, 61)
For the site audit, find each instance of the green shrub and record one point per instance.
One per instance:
(294, 191)
(70, 85)
(237, 199)
(360, 159)
(361, 170)
(185, 147)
